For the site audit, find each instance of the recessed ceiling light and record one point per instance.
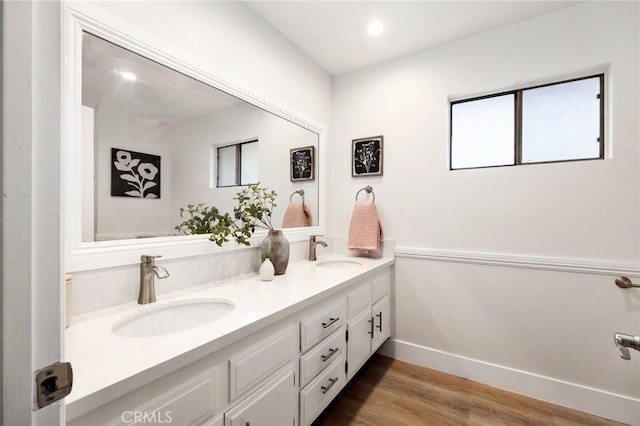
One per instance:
(375, 28)
(128, 75)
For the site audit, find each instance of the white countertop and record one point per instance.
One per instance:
(106, 365)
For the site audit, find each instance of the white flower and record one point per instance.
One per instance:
(123, 157)
(147, 171)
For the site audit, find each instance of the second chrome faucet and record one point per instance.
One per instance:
(313, 243)
(148, 271)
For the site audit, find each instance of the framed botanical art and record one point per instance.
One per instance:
(302, 162)
(134, 174)
(367, 156)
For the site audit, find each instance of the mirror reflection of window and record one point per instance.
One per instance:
(237, 164)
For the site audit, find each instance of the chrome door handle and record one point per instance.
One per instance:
(624, 342)
(624, 282)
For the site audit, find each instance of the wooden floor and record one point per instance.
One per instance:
(388, 392)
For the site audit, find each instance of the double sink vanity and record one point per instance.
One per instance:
(237, 352)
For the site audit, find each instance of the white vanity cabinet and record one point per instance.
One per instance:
(328, 362)
(284, 373)
(369, 323)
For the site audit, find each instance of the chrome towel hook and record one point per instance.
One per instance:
(624, 282)
(369, 190)
(300, 192)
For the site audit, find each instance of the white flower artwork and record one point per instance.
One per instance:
(302, 162)
(366, 159)
(134, 174)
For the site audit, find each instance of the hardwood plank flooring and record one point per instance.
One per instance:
(388, 392)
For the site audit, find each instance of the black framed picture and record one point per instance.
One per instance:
(302, 162)
(366, 156)
(134, 174)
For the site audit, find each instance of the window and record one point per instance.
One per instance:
(561, 121)
(237, 164)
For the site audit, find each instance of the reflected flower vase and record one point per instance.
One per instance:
(278, 246)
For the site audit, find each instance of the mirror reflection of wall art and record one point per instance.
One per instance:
(302, 163)
(366, 159)
(134, 174)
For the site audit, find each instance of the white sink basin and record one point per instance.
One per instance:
(338, 263)
(172, 317)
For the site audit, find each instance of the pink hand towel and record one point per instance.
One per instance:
(365, 230)
(297, 214)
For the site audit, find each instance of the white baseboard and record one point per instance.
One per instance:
(571, 395)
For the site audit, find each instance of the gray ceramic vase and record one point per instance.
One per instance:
(279, 251)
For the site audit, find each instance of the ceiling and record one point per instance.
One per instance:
(333, 33)
(159, 94)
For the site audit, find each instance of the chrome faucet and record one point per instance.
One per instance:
(148, 271)
(313, 242)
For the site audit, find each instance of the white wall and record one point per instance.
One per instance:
(229, 41)
(570, 210)
(129, 217)
(553, 324)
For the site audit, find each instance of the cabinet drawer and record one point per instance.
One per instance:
(359, 299)
(381, 285)
(319, 393)
(322, 355)
(254, 365)
(322, 323)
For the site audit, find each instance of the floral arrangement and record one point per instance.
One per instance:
(254, 210)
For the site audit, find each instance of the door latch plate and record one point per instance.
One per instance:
(53, 383)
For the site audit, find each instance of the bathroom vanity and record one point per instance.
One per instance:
(277, 355)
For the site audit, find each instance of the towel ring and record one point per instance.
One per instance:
(369, 190)
(300, 192)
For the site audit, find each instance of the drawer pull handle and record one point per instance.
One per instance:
(371, 331)
(331, 321)
(247, 424)
(380, 318)
(332, 352)
(332, 382)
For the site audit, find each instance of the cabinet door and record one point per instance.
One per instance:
(359, 343)
(274, 404)
(381, 313)
(254, 366)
